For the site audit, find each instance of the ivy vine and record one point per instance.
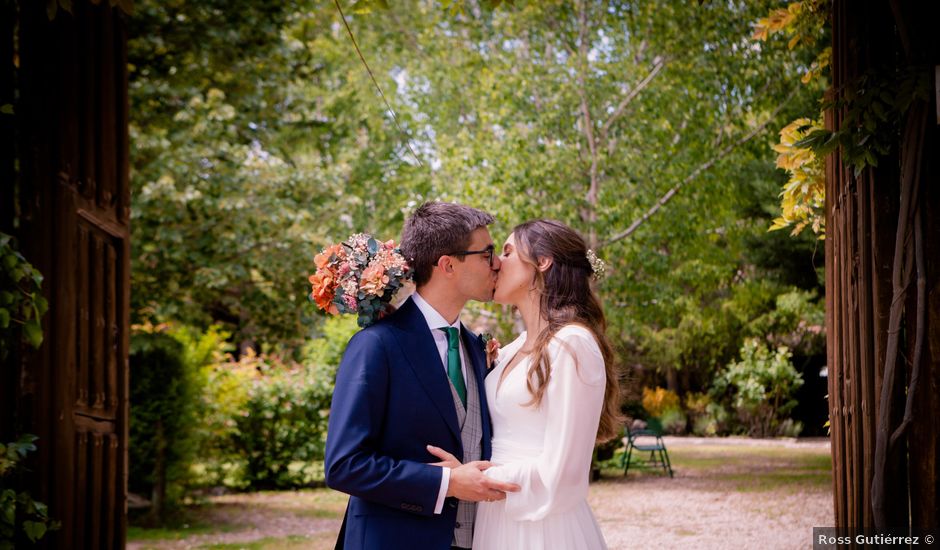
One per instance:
(21, 309)
(22, 304)
(874, 106)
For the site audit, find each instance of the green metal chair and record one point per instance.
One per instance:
(646, 440)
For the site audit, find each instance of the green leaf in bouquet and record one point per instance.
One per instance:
(373, 246)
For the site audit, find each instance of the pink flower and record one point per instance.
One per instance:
(373, 279)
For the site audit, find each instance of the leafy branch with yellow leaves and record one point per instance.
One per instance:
(804, 194)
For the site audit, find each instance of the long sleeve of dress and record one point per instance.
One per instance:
(557, 478)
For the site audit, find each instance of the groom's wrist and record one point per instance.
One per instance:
(442, 491)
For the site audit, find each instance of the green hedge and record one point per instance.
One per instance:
(164, 416)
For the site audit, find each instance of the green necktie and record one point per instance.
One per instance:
(453, 362)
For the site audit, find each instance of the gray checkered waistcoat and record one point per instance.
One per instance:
(471, 435)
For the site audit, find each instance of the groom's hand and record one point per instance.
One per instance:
(468, 483)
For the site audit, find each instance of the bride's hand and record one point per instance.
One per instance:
(447, 460)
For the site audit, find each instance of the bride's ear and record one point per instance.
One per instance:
(544, 264)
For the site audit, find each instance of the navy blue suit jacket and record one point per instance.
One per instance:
(392, 399)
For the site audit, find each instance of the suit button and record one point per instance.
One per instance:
(457, 526)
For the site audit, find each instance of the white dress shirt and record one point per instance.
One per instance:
(435, 322)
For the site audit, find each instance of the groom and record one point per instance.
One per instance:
(415, 379)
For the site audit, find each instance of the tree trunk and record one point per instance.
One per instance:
(158, 493)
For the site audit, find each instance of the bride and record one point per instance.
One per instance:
(552, 395)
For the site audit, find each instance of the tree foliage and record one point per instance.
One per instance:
(646, 126)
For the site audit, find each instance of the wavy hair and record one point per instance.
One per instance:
(566, 297)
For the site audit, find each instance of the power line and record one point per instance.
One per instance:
(375, 82)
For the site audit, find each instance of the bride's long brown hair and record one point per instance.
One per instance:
(566, 298)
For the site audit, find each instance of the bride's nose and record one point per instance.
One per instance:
(496, 262)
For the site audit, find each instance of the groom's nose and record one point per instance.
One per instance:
(496, 263)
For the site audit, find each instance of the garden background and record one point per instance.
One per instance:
(686, 141)
(266, 140)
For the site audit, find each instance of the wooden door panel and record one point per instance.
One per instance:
(75, 228)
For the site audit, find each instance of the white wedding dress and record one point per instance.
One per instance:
(547, 450)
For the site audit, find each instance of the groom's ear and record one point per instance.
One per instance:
(445, 264)
(544, 264)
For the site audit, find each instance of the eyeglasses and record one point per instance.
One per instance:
(488, 251)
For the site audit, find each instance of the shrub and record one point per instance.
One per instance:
(663, 406)
(763, 384)
(268, 420)
(264, 423)
(673, 421)
(327, 350)
(657, 401)
(708, 417)
(163, 418)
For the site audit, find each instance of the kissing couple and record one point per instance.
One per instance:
(438, 452)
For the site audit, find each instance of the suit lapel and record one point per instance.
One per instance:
(417, 345)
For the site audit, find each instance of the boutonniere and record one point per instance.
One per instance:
(491, 345)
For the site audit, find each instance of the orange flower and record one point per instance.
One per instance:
(324, 289)
(323, 259)
(373, 279)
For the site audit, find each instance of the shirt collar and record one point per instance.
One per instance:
(434, 319)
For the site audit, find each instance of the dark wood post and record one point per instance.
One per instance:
(74, 202)
(869, 228)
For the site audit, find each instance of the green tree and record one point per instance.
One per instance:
(645, 126)
(252, 147)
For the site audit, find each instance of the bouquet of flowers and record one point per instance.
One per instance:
(360, 275)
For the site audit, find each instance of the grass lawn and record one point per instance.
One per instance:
(764, 487)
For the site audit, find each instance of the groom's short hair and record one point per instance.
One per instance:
(437, 229)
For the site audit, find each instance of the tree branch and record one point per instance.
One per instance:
(618, 112)
(701, 168)
(376, 84)
(590, 214)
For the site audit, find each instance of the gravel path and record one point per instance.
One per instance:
(726, 493)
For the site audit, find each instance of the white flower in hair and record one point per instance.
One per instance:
(597, 265)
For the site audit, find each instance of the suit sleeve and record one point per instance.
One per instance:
(354, 462)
